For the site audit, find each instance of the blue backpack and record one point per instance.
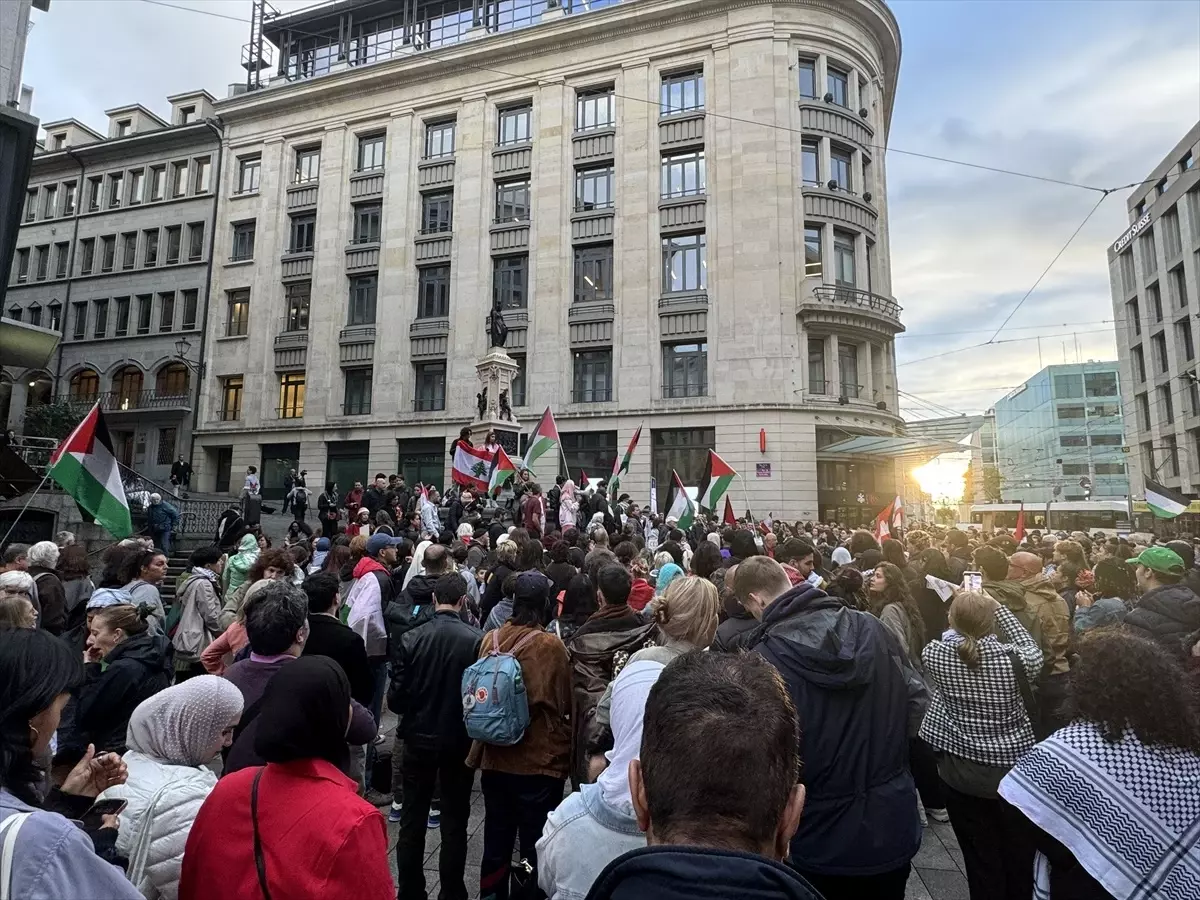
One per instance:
(495, 708)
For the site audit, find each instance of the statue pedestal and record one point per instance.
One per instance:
(496, 371)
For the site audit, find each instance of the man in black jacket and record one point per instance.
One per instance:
(327, 636)
(375, 497)
(427, 670)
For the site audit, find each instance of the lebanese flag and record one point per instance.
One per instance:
(882, 528)
(85, 466)
(898, 513)
(715, 482)
(542, 441)
(730, 518)
(1019, 533)
(472, 466)
(503, 469)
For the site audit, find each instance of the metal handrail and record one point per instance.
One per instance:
(120, 401)
(851, 296)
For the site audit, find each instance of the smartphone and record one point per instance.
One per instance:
(93, 819)
(973, 581)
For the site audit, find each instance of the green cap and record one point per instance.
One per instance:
(1159, 559)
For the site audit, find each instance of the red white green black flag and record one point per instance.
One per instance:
(86, 468)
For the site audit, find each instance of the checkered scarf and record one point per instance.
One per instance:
(1130, 814)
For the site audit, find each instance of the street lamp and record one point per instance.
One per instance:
(182, 347)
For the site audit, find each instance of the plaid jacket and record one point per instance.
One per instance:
(978, 714)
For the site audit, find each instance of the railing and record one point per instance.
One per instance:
(429, 404)
(850, 296)
(592, 395)
(35, 451)
(196, 516)
(129, 401)
(672, 391)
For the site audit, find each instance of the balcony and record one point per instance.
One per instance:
(366, 185)
(296, 264)
(135, 401)
(291, 347)
(302, 196)
(841, 207)
(836, 122)
(362, 257)
(843, 305)
(592, 395)
(435, 172)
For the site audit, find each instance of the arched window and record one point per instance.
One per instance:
(85, 385)
(127, 384)
(172, 380)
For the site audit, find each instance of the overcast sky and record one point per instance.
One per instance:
(1089, 92)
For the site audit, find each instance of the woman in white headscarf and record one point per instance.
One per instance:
(595, 825)
(417, 566)
(171, 736)
(568, 506)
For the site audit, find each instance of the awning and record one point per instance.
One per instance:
(26, 346)
(949, 428)
(892, 447)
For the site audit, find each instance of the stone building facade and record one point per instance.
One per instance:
(680, 205)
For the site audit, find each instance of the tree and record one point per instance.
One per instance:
(991, 484)
(55, 419)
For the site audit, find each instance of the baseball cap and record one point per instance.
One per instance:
(531, 585)
(377, 542)
(323, 543)
(1159, 559)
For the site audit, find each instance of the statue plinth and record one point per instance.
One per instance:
(496, 371)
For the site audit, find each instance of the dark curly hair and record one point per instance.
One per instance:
(1123, 681)
(270, 559)
(846, 584)
(896, 591)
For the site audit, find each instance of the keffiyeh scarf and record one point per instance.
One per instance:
(1129, 813)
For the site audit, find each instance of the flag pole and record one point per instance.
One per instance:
(41, 484)
(746, 494)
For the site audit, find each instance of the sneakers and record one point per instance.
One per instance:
(435, 818)
(377, 798)
(395, 812)
(938, 815)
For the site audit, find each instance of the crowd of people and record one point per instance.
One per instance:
(766, 709)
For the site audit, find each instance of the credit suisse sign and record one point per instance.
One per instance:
(1134, 230)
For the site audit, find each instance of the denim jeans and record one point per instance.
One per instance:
(379, 672)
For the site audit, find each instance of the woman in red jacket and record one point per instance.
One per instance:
(294, 829)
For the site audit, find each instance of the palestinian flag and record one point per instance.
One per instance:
(542, 441)
(679, 505)
(621, 465)
(1164, 502)
(730, 518)
(85, 467)
(714, 483)
(503, 469)
(471, 467)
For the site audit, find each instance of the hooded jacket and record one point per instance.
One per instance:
(367, 599)
(1038, 607)
(137, 668)
(200, 618)
(1167, 615)
(238, 567)
(699, 873)
(858, 701)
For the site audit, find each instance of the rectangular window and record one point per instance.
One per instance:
(231, 398)
(137, 184)
(308, 165)
(101, 319)
(685, 370)
(129, 250)
(55, 311)
(124, 127)
(433, 292)
(1106, 440)
(1187, 162)
(69, 198)
(108, 252)
(291, 396)
(810, 163)
(1075, 469)
(158, 182)
(363, 292)
(1155, 298)
(243, 241)
(685, 263)
(594, 273)
(42, 264)
(591, 376)
(1073, 440)
(512, 201)
(174, 239)
(1177, 285)
(845, 268)
(595, 109)
(437, 212)
(195, 241)
(594, 188)
(166, 445)
(115, 183)
(1172, 242)
(297, 299)
(1068, 413)
(439, 139)
(837, 83)
(237, 319)
(191, 304)
(682, 92)
(848, 370)
(840, 166)
(23, 265)
(122, 308)
(370, 152)
(1159, 345)
(515, 125)
(1100, 384)
(187, 115)
(1183, 339)
(14, 313)
(80, 329)
(62, 256)
(150, 243)
(35, 315)
(812, 250)
(31, 203)
(518, 382)
(1149, 255)
(95, 187)
(1110, 468)
(684, 450)
(166, 312)
(1104, 410)
(249, 171)
(683, 174)
(87, 256)
(1166, 403)
(816, 366)
(510, 281)
(145, 304)
(1128, 276)
(806, 71)
(367, 223)
(431, 386)
(357, 400)
(1067, 387)
(303, 233)
(179, 174)
(50, 201)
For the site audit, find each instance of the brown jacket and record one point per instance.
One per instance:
(1043, 613)
(546, 747)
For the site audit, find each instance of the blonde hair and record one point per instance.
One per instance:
(661, 558)
(358, 547)
(972, 615)
(688, 611)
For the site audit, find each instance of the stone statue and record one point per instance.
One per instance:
(481, 402)
(497, 330)
(505, 409)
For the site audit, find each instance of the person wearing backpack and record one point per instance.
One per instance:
(428, 662)
(522, 781)
(194, 621)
